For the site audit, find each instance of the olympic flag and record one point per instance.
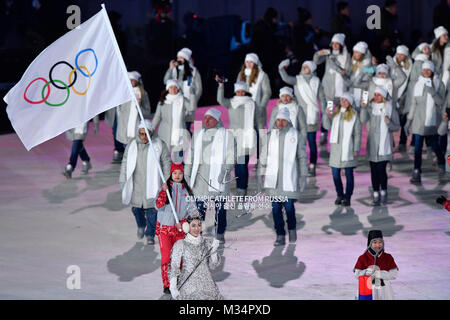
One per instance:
(74, 79)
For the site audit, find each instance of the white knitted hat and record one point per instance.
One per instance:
(311, 65)
(439, 31)
(361, 47)
(172, 82)
(185, 53)
(283, 113)
(402, 50)
(215, 113)
(422, 45)
(134, 75)
(286, 90)
(253, 57)
(428, 65)
(339, 38)
(348, 96)
(382, 68)
(381, 91)
(240, 85)
(148, 123)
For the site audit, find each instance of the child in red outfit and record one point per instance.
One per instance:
(379, 265)
(167, 230)
(444, 202)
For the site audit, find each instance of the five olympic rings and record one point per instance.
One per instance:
(60, 84)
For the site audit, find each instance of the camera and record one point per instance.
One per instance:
(222, 79)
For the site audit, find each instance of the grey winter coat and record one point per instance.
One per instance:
(373, 126)
(444, 129)
(261, 103)
(438, 60)
(417, 113)
(71, 135)
(335, 153)
(138, 198)
(237, 118)
(111, 114)
(196, 90)
(200, 187)
(301, 160)
(321, 98)
(163, 119)
(328, 78)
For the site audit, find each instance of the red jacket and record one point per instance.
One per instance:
(447, 205)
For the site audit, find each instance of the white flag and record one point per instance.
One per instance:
(74, 79)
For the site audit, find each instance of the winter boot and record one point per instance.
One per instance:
(86, 167)
(389, 166)
(140, 233)
(346, 202)
(281, 241)
(383, 199)
(338, 201)
(166, 291)
(117, 157)
(323, 138)
(376, 199)
(241, 192)
(68, 171)
(312, 170)
(415, 177)
(292, 236)
(401, 147)
(150, 240)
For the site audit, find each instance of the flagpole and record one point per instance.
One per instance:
(130, 88)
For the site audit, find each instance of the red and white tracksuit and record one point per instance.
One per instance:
(166, 230)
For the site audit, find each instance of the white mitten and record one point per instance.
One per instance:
(284, 63)
(369, 271)
(215, 245)
(173, 288)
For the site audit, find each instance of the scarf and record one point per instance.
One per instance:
(249, 118)
(430, 113)
(293, 112)
(407, 72)
(153, 183)
(193, 240)
(255, 88)
(218, 156)
(385, 83)
(347, 142)
(187, 86)
(341, 59)
(290, 176)
(382, 110)
(176, 100)
(308, 92)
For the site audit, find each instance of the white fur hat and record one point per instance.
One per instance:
(134, 75)
(311, 65)
(253, 57)
(172, 82)
(361, 47)
(339, 38)
(185, 53)
(402, 50)
(215, 113)
(283, 113)
(348, 96)
(439, 31)
(287, 90)
(148, 123)
(381, 91)
(382, 68)
(428, 65)
(240, 85)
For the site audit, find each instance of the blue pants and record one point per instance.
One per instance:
(78, 150)
(338, 182)
(146, 218)
(277, 214)
(117, 145)
(312, 147)
(432, 141)
(241, 172)
(220, 220)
